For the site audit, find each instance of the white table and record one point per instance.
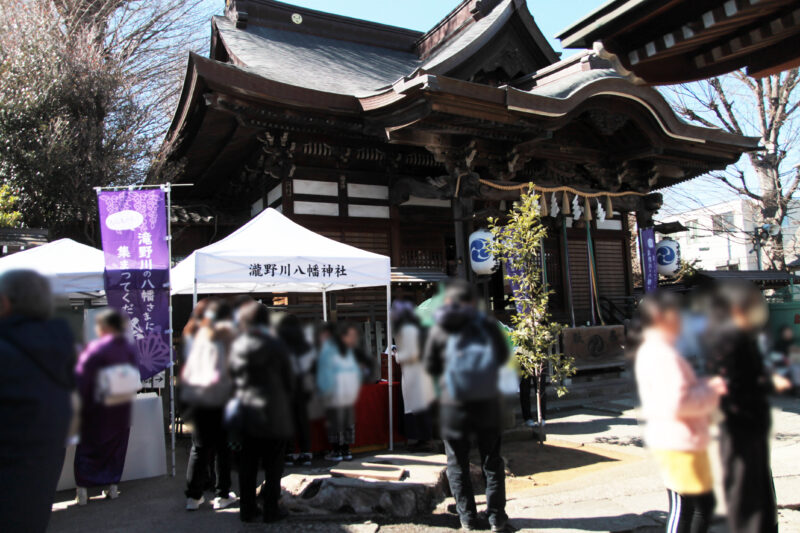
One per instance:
(147, 454)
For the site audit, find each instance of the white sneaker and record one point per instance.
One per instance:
(544, 422)
(193, 505)
(531, 423)
(333, 456)
(221, 503)
(82, 496)
(112, 493)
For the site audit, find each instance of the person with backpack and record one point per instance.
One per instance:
(105, 420)
(263, 378)
(206, 387)
(417, 385)
(465, 351)
(339, 378)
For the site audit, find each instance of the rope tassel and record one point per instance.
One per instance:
(609, 207)
(587, 209)
(565, 204)
(543, 205)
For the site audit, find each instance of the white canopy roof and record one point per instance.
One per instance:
(273, 254)
(70, 266)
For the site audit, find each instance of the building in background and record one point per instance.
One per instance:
(721, 236)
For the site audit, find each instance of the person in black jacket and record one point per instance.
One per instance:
(263, 380)
(470, 400)
(303, 358)
(739, 312)
(36, 383)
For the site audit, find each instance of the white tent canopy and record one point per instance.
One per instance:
(273, 254)
(70, 266)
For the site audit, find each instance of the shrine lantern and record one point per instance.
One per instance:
(480, 255)
(668, 256)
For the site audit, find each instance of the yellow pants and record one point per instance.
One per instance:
(686, 473)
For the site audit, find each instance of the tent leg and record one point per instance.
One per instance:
(194, 294)
(389, 362)
(324, 306)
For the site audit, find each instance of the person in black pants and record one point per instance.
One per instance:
(209, 452)
(739, 313)
(205, 399)
(263, 381)
(466, 349)
(303, 357)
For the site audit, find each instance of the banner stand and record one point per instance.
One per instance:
(167, 188)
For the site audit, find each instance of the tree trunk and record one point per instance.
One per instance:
(770, 209)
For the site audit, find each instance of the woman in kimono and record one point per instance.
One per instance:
(100, 455)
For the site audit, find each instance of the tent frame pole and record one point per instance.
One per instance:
(324, 305)
(389, 362)
(168, 190)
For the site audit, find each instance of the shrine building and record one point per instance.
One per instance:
(403, 143)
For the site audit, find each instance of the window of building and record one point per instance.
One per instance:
(694, 228)
(722, 223)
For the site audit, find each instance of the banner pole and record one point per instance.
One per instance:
(324, 306)
(389, 361)
(171, 335)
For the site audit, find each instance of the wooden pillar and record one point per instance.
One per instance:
(462, 253)
(394, 228)
(565, 266)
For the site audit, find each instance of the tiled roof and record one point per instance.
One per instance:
(315, 62)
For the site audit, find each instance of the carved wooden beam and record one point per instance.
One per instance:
(442, 188)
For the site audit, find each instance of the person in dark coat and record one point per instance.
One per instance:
(460, 329)
(733, 353)
(100, 455)
(36, 383)
(303, 358)
(263, 380)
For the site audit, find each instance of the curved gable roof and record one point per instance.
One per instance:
(314, 62)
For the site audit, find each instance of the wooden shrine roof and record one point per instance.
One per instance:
(676, 41)
(446, 92)
(312, 61)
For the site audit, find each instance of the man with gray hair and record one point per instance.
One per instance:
(37, 358)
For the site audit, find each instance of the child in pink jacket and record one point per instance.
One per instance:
(677, 408)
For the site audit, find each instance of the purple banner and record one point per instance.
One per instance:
(133, 226)
(647, 242)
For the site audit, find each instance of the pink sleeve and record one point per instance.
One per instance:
(693, 397)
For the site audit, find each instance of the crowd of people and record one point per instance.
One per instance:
(678, 399)
(246, 385)
(248, 378)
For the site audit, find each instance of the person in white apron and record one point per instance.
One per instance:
(416, 384)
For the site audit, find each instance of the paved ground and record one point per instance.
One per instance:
(623, 494)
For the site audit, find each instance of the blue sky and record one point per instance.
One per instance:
(551, 16)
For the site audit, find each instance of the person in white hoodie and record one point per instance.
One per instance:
(676, 407)
(417, 384)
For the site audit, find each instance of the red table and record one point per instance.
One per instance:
(372, 419)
